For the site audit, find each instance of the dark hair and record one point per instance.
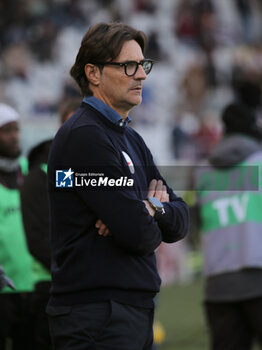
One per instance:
(247, 86)
(102, 42)
(238, 118)
(68, 106)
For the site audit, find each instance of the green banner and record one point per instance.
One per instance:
(231, 210)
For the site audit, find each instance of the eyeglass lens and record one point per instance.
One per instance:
(131, 67)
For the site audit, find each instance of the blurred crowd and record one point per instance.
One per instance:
(207, 53)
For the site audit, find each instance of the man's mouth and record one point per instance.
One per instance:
(137, 88)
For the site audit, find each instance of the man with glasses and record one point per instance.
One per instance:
(110, 207)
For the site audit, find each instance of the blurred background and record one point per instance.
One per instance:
(207, 53)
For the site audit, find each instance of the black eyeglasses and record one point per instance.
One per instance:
(131, 67)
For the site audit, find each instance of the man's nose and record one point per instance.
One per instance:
(140, 73)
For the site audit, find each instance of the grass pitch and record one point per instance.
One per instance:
(180, 310)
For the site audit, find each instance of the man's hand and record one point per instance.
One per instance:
(149, 208)
(102, 228)
(158, 190)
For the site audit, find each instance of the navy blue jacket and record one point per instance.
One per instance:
(88, 267)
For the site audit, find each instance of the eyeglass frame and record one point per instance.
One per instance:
(124, 64)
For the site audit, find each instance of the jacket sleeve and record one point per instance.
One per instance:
(174, 224)
(120, 209)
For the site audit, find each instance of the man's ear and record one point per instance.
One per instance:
(93, 74)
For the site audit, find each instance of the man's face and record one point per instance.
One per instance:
(118, 90)
(9, 140)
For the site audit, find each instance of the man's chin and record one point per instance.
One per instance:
(136, 101)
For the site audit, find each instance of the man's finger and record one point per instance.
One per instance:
(158, 191)
(152, 188)
(102, 229)
(98, 223)
(164, 195)
(106, 232)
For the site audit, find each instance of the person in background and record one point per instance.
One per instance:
(103, 240)
(230, 202)
(16, 320)
(35, 212)
(68, 107)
